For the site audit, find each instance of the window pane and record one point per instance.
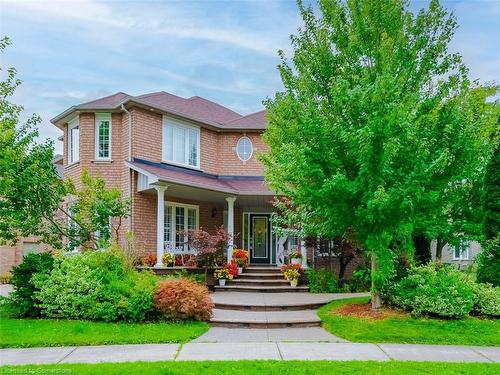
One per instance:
(103, 140)
(168, 224)
(179, 226)
(179, 145)
(244, 148)
(74, 144)
(167, 142)
(193, 148)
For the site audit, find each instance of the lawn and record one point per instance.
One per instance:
(263, 367)
(17, 333)
(402, 328)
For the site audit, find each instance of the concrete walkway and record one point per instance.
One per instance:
(250, 351)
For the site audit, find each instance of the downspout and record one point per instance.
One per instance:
(129, 159)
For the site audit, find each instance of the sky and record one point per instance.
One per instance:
(69, 52)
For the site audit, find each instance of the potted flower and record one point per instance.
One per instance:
(296, 257)
(241, 258)
(292, 275)
(222, 275)
(168, 259)
(233, 269)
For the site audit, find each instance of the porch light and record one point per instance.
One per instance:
(214, 212)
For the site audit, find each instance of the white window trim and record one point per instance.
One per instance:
(100, 116)
(251, 145)
(180, 124)
(172, 219)
(73, 123)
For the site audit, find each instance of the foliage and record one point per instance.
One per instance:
(291, 274)
(133, 251)
(434, 289)
(376, 122)
(361, 278)
(95, 286)
(241, 257)
(487, 299)
(22, 298)
(6, 278)
(168, 259)
(23, 333)
(29, 185)
(210, 248)
(296, 255)
(182, 299)
(488, 263)
(296, 267)
(258, 367)
(149, 260)
(222, 273)
(184, 274)
(321, 281)
(400, 327)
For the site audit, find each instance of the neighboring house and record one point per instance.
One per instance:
(461, 255)
(184, 163)
(11, 256)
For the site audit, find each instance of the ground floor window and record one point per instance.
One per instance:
(179, 218)
(461, 251)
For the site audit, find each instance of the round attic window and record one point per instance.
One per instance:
(244, 148)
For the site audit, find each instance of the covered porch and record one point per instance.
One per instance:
(190, 199)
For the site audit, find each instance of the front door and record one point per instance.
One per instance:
(260, 230)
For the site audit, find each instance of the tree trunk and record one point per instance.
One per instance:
(376, 299)
(439, 248)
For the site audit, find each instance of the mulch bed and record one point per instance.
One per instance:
(364, 310)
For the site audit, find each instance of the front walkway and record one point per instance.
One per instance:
(249, 351)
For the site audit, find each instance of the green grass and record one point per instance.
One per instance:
(407, 329)
(263, 367)
(17, 333)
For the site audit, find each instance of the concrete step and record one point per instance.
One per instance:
(265, 319)
(260, 276)
(243, 306)
(254, 269)
(261, 289)
(258, 282)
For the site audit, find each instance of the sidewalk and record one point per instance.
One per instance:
(250, 351)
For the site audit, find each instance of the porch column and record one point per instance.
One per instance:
(303, 252)
(160, 224)
(230, 227)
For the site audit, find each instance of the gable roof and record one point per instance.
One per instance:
(194, 108)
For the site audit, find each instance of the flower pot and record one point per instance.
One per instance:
(240, 270)
(222, 282)
(296, 261)
(293, 282)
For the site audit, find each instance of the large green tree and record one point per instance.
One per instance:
(374, 124)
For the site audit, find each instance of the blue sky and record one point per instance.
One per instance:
(68, 52)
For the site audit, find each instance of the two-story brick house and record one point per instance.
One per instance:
(184, 163)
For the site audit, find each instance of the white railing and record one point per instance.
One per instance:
(172, 249)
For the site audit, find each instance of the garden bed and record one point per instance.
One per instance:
(351, 320)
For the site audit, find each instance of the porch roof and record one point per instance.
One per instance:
(236, 185)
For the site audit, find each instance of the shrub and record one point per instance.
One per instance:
(22, 298)
(487, 300)
(182, 299)
(321, 281)
(434, 289)
(95, 286)
(361, 279)
(488, 264)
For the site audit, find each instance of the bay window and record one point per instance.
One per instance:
(179, 219)
(181, 143)
(103, 136)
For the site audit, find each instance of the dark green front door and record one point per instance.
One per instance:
(260, 238)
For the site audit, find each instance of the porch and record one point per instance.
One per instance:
(180, 199)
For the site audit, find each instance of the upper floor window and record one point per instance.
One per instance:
(461, 251)
(181, 143)
(103, 136)
(244, 148)
(73, 141)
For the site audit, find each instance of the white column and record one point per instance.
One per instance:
(230, 227)
(303, 252)
(160, 224)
